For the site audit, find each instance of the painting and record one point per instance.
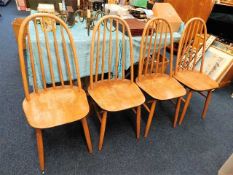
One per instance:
(218, 60)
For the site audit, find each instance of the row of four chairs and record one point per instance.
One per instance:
(66, 102)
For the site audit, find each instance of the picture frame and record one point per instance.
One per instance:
(218, 61)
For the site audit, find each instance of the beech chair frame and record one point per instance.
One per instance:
(24, 34)
(192, 40)
(151, 52)
(112, 24)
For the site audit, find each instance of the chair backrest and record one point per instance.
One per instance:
(156, 38)
(43, 29)
(192, 45)
(111, 50)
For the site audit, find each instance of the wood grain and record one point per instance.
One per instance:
(157, 84)
(116, 95)
(194, 80)
(55, 106)
(161, 86)
(48, 107)
(113, 93)
(188, 9)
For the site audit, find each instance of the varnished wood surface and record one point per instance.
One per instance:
(152, 67)
(55, 106)
(114, 92)
(150, 117)
(161, 86)
(87, 134)
(116, 95)
(47, 20)
(40, 148)
(196, 80)
(185, 72)
(188, 9)
(47, 106)
(186, 104)
(153, 47)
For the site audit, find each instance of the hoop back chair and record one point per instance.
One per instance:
(152, 77)
(109, 88)
(51, 105)
(192, 50)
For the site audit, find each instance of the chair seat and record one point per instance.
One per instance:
(196, 80)
(56, 106)
(116, 95)
(161, 86)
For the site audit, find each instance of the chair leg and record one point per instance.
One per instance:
(40, 149)
(151, 114)
(187, 102)
(207, 101)
(87, 134)
(177, 111)
(102, 130)
(138, 121)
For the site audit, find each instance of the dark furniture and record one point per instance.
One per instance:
(220, 22)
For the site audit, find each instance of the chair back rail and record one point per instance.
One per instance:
(153, 47)
(193, 40)
(46, 29)
(109, 38)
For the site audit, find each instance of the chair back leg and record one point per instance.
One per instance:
(187, 102)
(207, 101)
(151, 114)
(40, 148)
(138, 121)
(102, 130)
(87, 134)
(177, 111)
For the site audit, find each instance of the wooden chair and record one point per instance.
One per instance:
(152, 77)
(108, 86)
(52, 105)
(191, 50)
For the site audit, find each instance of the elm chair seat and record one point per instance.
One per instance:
(56, 106)
(196, 80)
(161, 86)
(116, 95)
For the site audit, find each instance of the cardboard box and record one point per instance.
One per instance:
(166, 11)
(46, 8)
(227, 168)
(16, 26)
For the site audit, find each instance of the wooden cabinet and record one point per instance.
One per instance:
(192, 8)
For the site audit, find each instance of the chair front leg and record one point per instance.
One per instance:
(102, 129)
(138, 121)
(40, 149)
(177, 111)
(87, 134)
(151, 114)
(207, 101)
(187, 102)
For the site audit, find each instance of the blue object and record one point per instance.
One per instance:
(82, 44)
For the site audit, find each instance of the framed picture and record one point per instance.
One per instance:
(218, 61)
